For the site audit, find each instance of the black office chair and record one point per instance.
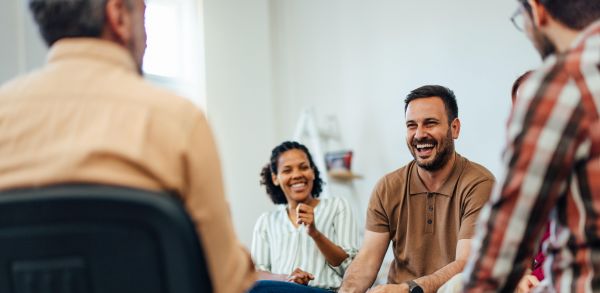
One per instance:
(98, 239)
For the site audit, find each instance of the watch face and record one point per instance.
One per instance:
(416, 289)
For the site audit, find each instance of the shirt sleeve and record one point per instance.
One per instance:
(229, 263)
(377, 219)
(260, 245)
(544, 133)
(474, 202)
(346, 234)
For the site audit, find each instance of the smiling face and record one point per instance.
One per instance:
(295, 176)
(429, 137)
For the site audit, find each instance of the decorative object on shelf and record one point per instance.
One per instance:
(339, 165)
(340, 160)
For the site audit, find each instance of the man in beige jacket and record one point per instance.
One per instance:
(87, 116)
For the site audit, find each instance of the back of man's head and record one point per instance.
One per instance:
(575, 14)
(57, 19)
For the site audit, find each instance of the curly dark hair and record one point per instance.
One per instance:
(275, 192)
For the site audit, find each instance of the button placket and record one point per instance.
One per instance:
(429, 212)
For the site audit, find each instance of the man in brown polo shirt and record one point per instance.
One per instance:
(88, 116)
(428, 208)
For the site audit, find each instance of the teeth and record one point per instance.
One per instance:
(298, 185)
(428, 145)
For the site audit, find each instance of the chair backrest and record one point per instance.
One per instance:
(100, 239)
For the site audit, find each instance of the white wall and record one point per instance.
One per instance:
(22, 49)
(8, 35)
(240, 102)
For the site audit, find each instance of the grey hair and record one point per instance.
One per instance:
(57, 19)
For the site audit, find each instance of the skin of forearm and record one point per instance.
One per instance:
(431, 283)
(334, 254)
(264, 275)
(358, 277)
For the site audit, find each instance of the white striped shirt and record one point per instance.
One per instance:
(279, 247)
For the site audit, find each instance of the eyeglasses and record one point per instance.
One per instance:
(518, 18)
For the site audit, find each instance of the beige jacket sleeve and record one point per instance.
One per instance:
(229, 263)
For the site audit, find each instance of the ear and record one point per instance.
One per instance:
(539, 13)
(118, 21)
(274, 179)
(455, 127)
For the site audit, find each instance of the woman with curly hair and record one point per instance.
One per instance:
(307, 243)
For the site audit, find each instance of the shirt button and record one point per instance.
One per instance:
(431, 208)
(429, 222)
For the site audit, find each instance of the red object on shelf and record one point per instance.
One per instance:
(340, 160)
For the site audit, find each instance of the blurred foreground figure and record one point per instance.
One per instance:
(552, 162)
(87, 116)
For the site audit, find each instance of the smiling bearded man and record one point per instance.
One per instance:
(428, 208)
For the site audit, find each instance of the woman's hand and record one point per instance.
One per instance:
(300, 277)
(527, 283)
(305, 215)
(334, 254)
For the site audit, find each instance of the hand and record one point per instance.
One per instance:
(305, 215)
(300, 277)
(389, 288)
(527, 283)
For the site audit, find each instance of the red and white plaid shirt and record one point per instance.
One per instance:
(552, 169)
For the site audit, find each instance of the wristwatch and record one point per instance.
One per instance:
(413, 287)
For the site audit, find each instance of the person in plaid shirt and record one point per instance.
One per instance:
(552, 161)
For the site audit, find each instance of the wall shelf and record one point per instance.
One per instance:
(343, 175)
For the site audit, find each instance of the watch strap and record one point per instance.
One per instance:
(413, 287)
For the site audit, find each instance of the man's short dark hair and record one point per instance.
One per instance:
(57, 19)
(439, 91)
(575, 14)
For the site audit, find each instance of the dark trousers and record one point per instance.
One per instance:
(266, 286)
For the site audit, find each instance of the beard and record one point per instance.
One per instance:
(444, 152)
(542, 43)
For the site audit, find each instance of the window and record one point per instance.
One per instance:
(175, 55)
